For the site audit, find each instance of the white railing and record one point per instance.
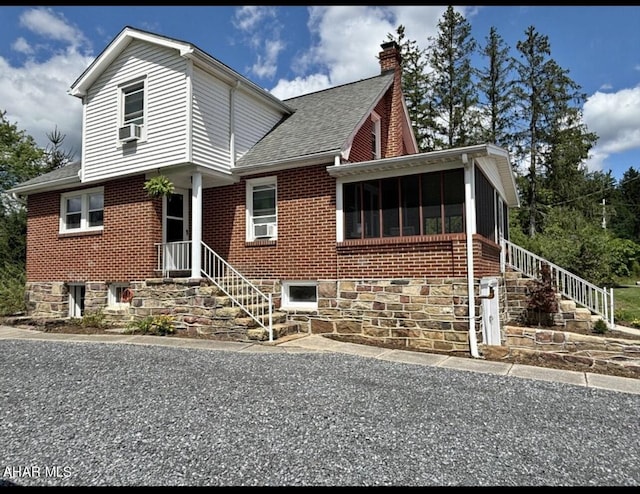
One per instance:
(176, 256)
(238, 288)
(596, 299)
(173, 256)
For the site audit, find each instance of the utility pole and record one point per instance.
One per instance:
(604, 217)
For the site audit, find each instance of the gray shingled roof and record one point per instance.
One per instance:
(64, 173)
(322, 122)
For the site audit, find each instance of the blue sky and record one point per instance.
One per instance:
(294, 50)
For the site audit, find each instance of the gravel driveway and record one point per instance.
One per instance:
(94, 414)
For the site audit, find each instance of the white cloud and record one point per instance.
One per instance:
(347, 42)
(34, 94)
(615, 118)
(300, 85)
(261, 30)
(266, 65)
(52, 25)
(21, 45)
(247, 18)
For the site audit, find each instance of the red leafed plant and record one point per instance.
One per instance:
(543, 301)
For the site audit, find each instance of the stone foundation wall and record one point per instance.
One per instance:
(47, 299)
(427, 314)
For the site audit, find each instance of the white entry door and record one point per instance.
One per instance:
(176, 231)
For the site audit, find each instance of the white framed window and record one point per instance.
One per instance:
(300, 295)
(133, 97)
(82, 210)
(262, 214)
(132, 114)
(375, 136)
(115, 294)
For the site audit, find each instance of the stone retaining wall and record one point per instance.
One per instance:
(597, 351)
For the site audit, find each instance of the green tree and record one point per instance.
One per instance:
(415, 87)
(20, 157)
(496, 91)
(625, 218)
(549, 142)
(55, 155)
(452, 85)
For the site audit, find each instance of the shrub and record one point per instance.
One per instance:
(157, 325)
(543, 301)
(95, 319)
(12, 289)
(600, 326)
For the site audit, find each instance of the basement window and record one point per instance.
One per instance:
(116, 291)
(300, 295)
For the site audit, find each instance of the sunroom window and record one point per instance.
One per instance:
(425, 204)
(82, 210)
(261, 209)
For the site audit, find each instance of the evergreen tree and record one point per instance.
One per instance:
(495, 91)
(451, 81)
(415, 86)
(550, 142)
(57, 157)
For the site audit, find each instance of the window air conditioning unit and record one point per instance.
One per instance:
(130, 132)
(264, 230)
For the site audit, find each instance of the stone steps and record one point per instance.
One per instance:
(210, 311)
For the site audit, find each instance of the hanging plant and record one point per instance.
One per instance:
(159, 186)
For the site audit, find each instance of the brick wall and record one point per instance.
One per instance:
(122, 251)
(305, 248)
(391, 141)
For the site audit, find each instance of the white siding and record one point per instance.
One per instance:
(210, 121)
(165, 114)
(252, 121)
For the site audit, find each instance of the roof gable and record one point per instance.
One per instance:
(322, 125)
(115, 48)
(184, 49)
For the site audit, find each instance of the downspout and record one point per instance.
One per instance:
(469, 201)
(232, 124)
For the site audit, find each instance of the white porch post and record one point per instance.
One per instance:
(470, 228)
(196, 223)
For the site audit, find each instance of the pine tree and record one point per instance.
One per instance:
(415, 86)
(451, 82)
(496, 91)
(550, 141)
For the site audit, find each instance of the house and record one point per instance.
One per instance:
(319, 206)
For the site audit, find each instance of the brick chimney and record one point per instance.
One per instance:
(390, 58)
(391, 61)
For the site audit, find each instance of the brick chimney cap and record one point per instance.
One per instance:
(389, 44)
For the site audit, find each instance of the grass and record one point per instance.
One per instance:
(626, 299)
